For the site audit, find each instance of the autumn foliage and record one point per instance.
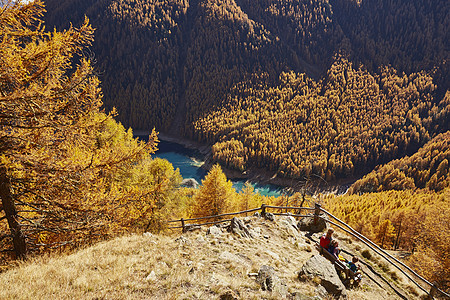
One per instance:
(427, 168)
(215, 195)
(414, 221)
(340, 126)
(68, 171)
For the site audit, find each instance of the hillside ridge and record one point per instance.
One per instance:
(203, 264)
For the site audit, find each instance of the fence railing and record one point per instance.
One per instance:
(317, 215)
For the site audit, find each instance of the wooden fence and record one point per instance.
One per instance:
(319, 214)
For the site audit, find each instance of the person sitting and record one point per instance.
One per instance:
(326, 238)
(356, 269)
(333, 248)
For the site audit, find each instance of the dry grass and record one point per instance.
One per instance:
(199, 266)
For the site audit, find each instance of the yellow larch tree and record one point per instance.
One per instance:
(215, 194)
(59, 151)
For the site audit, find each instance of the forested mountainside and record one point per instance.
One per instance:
(427, 168)
(329, 87)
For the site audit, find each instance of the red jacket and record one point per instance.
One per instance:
(324, 241)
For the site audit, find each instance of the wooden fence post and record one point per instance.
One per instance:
(263, 210)
(433, 291)
(287, 204)
(316, 213)
(182, 225)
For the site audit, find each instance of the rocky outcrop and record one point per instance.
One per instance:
(319, 267)
(308, 224)
(214, 230)
(289, 224)
(269, 281)
(238, 227)
(269, 216)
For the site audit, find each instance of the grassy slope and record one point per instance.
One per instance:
(160, 267)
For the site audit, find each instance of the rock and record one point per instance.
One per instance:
(191, 227)
(266, 277)
(214, 230)
(302, 246)
(230, 295)
(322, 292)
(228, 256)
(269, 216)
(318, 266)
(148, 234)
(182, 240)
(190, 183)
(151, 276)
(269, 281)
(257, 214)
(307, 224)
(255, 232)
(291, 228)
(237, 227)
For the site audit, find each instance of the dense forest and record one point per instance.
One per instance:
(413, 221)
(329, 88)
(427, 168)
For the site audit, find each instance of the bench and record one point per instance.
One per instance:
(340, 266)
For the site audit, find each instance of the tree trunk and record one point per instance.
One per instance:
(398, 236)
(20, 247)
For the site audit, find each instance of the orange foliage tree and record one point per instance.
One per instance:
(215, 195)
(59, 151)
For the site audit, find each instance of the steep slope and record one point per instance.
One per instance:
(176, 64)
(427, 168)
(194, 266)
(341, 126)
(140, 44)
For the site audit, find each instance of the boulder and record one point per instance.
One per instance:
(190, 183)
(269, 216)
(269, 281)
(214, 230)
(320, 267)
(307, 224)
(290, 225)
(238, 227)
